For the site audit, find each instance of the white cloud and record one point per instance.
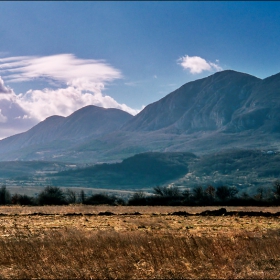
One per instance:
(78, 82)
(13, 118)
(3, 88)
(196, 64)
(3, 118)
(62, 67)
(43, 103)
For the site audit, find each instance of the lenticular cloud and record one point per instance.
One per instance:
(62, 67)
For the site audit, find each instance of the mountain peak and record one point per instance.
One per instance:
(90, 121)
(202, 105)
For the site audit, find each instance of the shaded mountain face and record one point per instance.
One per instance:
(261, 110)
(90, 121)
(203, 105)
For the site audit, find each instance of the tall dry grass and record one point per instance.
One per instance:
(81, 254)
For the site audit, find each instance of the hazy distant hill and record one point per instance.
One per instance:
(225, 110)
(245, 169)
(142, 170)
(59, 133)
(24, 170)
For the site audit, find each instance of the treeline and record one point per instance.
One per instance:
(208, 196)
(56, 196)
(173, 196)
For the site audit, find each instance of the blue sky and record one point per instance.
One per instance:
(56, 57)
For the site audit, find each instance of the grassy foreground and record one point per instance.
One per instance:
(88, 242)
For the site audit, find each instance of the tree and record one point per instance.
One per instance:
(276, 189)
(245, 196)
(210, 193)
(70, 196)
(138, 198)
(186, 194)
(171, 191)
(51, 196)
(5, 196)
(22, 199)
(198, 194)
(82, 196)
(97, 199)
(233, 192)
(223, 193)
(260, 194)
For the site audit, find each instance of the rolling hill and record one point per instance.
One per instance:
(142, 170)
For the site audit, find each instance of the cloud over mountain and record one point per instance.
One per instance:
(197, 65)
(74, 83)
(3, 88)
(13, 117)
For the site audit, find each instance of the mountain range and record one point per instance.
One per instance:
(225, 110)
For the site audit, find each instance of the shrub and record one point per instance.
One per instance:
(276, 190)
(225, 193)
(70, 196)
(5, 196)
(167, 191)
(98, 199)
(51, 196)
(198, 194)
(22, 199)
(137, 199)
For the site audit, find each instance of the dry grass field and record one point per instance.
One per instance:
(121, 242)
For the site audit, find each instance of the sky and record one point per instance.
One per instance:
(57, 57)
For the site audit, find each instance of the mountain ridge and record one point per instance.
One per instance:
(71, 129)
(225, 109)
(188, 106)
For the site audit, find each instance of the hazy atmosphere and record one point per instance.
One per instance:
(57, 57)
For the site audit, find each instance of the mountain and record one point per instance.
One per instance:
(261, 109)
(225, 110)
(226, 101)
(208, 104)
(59, 133)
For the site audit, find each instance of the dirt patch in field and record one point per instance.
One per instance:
(196, 220)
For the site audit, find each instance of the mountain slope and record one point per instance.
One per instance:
(57, 132)
(205, 104)
(261, 109)
(227, 101)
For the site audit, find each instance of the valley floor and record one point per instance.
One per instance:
(117, 242)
